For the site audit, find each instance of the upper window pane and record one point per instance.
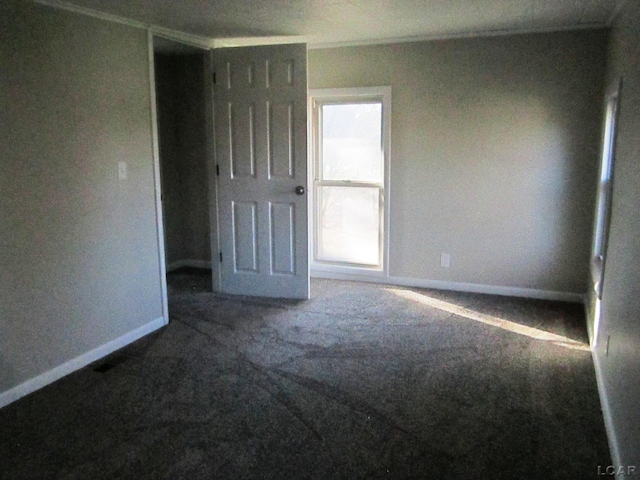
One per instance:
(352, 142)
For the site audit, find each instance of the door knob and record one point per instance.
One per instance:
(299, 190)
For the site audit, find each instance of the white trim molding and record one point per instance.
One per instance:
(213, 43)
(614, 448)
(162, 270)
(335, 96)
(182, 37)
(77, 363)
(457, 286)
(454, 36)
(257, 41)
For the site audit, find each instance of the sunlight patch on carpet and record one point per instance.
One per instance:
(507, 325)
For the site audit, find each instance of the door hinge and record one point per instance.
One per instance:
(214, 78)
(220, 257)
(218, 170)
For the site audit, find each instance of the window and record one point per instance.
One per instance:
(350, 139)
(605, 191)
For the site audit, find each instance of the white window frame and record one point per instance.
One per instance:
(605, 189)
(317, 98)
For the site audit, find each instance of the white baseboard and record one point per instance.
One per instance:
(457, 286)
(616, 459)
(188, 263)
(77, 363)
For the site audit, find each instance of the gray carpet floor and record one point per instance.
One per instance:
(361, 382)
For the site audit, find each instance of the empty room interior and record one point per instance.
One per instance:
(308, 239)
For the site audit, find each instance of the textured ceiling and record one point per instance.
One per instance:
(353, 21)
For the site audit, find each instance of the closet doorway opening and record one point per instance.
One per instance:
(183, 98)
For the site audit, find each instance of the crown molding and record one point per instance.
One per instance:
(212, 43)
(456, 36)
(187, 38)
(193, 40)
(256, 41)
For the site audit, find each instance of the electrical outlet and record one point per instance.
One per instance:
(122, 170)
(445, 260)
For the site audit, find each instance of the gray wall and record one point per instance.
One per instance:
(79, 260)
(619, 371)
(180, 86)
(494, 153)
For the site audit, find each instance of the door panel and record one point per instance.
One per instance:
(242, 140)
(281, 141)
(245, 251)
(261, 152)
(282, 221)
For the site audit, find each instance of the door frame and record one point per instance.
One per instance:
(210, 154)
(155, 147)
(355, 94)
(212, 172)
(603, 207)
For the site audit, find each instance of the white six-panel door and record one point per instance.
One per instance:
(260, 96)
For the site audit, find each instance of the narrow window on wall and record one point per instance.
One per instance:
(350, 153)
(605, 190)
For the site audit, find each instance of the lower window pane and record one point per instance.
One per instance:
(349, 225)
